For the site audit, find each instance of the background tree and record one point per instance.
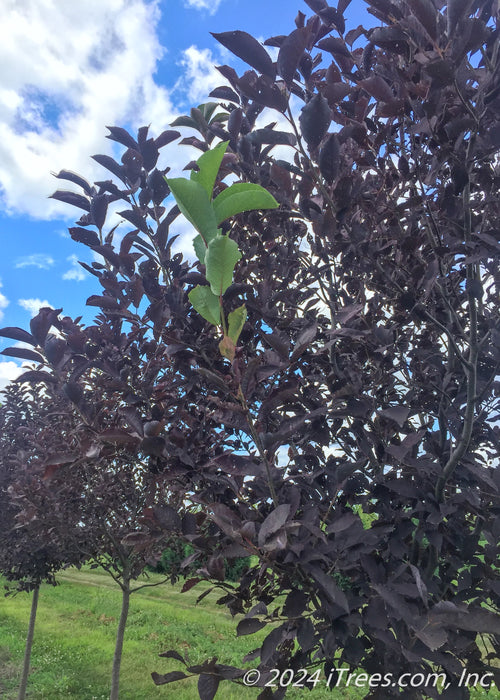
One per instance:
(67, 480)
(364, 381)
(34, 545)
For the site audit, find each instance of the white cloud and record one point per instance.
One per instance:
(33, 305)
(200, 75)
(39, 260)
(211, 5)
(73, 68)
(76, 271)
(4, 302)
(9, 371)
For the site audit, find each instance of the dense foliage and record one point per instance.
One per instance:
(351, 440)
(45, 538)
(176, 559)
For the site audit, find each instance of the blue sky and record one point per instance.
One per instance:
(67, 70)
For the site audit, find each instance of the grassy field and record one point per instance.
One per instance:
(74, 642)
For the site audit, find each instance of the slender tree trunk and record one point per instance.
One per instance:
(117, 658)
(29, 643)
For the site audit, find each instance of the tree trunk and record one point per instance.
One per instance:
(117, 658)
(29, 643)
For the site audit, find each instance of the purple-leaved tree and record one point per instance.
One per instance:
(331, 403)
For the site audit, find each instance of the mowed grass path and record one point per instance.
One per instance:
(75, 636)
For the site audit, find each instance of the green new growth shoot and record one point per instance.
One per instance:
(216, 250)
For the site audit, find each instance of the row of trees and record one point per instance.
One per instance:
(53, 517)
(332, 407)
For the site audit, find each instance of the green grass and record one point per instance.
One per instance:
(75, 634)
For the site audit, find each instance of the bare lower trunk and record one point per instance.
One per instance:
(29, 643)
(117, 658)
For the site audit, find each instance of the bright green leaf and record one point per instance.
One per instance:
(200, 248)
(194, 203)
(219, 117)
(236, 321)
(242, 196)
(222, 255)
(209, 164)
(207, 109)
(206, 304)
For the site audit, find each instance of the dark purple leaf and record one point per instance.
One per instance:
(166, 137)
(98, 209)
(104, 302)
(400, 451)
(331, 589)
(73, 391)
(304, 339)
(188, 584)
(317, 5)
(35, 376)
(455, 12)
(249, 626)
(41, 323)
(263, 91)
(275, 41)
(408, 489)
(335, 46)
(23, 354)
(392, 39)
(479, 621)
(133, 163)
(329, 158)
(345, 521)
(271, 643)
(427, 15)
(136, 218)
(111, 165)
(398, 414)
(225, 93)
(305, 633)
(150, 154)
(248, 49)
(167, 517)
(85, 236)
(17, 334)
(377, 88)
(122, 136)
(207, 686)
(77, 179)
(315, 118)
(300, 21)
(118, 436)
(60, 458)
(167, 677)
(354, 34)
(55, 349)
(295, 604)
(72, 198)
(291, 52)
(332, 16)
(274, 521)
(172, 654)
(433, 635)
(343, 5)
(441, 71)
(271, 137)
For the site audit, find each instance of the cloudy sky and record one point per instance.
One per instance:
(67, 69)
